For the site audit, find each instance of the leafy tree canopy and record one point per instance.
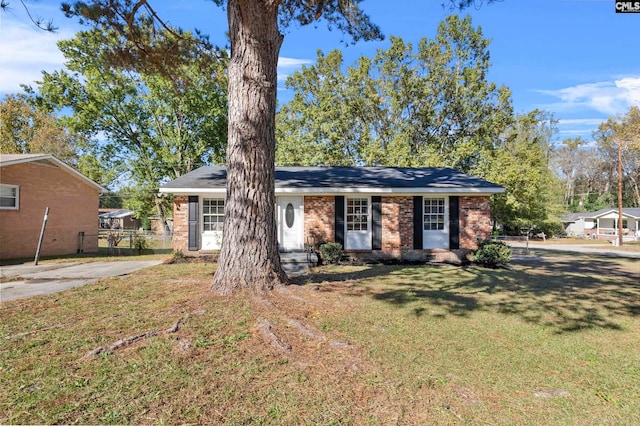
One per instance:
(148, 125)
(622, 132)
(426, 106)
(249, 256)
(521, 166)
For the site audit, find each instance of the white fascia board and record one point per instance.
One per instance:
(337, 191)
(405, 191)
(614, 215)
(605, 213)
(193, 191)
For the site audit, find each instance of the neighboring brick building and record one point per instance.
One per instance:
(29, 183)
(381, 212)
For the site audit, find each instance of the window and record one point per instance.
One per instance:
(433, 214)
(212, 214)
(357, 214)
(9, 197)
(624, 223)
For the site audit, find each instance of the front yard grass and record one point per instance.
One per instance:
(554, 340)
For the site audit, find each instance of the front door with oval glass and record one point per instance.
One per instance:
(290, 223)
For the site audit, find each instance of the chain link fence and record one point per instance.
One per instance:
(126, 242)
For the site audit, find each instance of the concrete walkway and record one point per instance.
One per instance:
(26, 280)
(612, 252)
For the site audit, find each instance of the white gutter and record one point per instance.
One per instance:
(333, 191)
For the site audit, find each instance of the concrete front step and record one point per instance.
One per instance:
(298, 257)
(297, 262)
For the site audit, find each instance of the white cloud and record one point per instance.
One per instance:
(286, 67)
(575, 132)
(284, 62)
(607, 97)
(24, 52)
(581, 121)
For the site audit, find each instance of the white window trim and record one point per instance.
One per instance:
(17, 197)
(360, 223)
(358, 239)
(436, 238)
(203, 214)
(445, 212)
(210, 239)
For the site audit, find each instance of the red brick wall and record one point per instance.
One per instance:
(397, 225)
(475, 221)
(319, 218)
(181, 223)
(73, 208)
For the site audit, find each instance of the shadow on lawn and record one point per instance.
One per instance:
(564, 293)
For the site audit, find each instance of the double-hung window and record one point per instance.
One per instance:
(212, 214)
(434, 214)
(9, 197)
(357, 214)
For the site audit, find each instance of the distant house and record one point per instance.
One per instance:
(29, 183)
(604, 224)
(118, 219)
(381, 212)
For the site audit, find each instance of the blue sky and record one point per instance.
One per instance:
(577, 59)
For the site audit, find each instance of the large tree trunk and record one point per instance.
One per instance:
(249, 255)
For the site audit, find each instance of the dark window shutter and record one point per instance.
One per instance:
(339, 219)
(376, 223)
(454, 223)
(417, 222)
(194, 214)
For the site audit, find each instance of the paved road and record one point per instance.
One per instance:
(28, 280)
(613, 252)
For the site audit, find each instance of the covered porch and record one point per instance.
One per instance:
(608, 227)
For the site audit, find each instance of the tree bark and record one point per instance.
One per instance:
(249, 257)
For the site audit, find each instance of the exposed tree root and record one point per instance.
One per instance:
(27, 333)
(305, 331)
(120, 343)
(264, 325)
(174, 327)
(137, 337)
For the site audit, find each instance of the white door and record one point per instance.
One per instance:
(358, 224)
(290, 223)
(435, 223)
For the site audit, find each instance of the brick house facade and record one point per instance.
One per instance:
(397, 228)
(416, 222)
(30, 183)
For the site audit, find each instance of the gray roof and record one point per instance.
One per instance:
(571, 217)
(116, 214)
(343, 179)
(633, 212)
(627, 211)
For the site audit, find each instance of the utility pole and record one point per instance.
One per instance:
(619, 195)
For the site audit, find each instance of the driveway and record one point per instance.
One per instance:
(605, 251)
(26, 280)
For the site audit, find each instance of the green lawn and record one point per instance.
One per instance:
(554, 340)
